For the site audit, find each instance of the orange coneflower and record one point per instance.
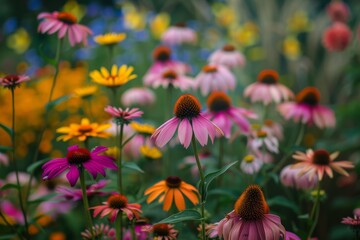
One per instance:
(170, 189)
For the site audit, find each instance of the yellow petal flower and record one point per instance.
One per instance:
(118, 76)
(110, 38)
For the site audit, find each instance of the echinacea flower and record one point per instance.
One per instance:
(172, 189)
(337, 37)
(223, 114)
(11, 212)
(338, 11)
(76, 157)
(63, 23)
(354, 222)
(115, 204)
(260, 138)
(4, 159)
(307, 109)
(251, 164)
(320, 162)
(215, 77)
(179, 34)
(267, 89)
(211, 230)
(227, 56)
(187, 120)
(123, 115)
(101, 231)
(251, 219)
(138, 97)
(71, 194)
(83, 131)
(291, 177)
(150, 152)
(12, 81)
(169, 78)
(118, 76)
(273, 128)
(110, 39)
(85, 92)
(162, 231)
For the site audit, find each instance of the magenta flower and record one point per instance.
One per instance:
(140, 233)
(337, 37)
(12, 81)
(179, 34)
(187, 120)
(162, 231)
(101, 231)
(123, 116)
(138, 96)
(354, 222)
(10, 210)
(169, 77)
(227, 56)
(338, 11)
(63, 23)
(71, 194)
(77, 157)
(307, 109)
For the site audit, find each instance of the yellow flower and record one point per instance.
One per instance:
(299, 22)
(112, 152)
(117, 77)
(110, 38)
(146, 129)
(150, 152)
(134, 18)
(75, 9)
(245, 35)
(19, 41)
(83, 130)
(85, 92)
(224, 14)
(291, 47)
(159, 24)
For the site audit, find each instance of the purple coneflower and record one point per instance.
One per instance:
(179, 34)
(169, 77)
(291, 177)
(12, 81)
(227, 56)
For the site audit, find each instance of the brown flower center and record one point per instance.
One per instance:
(268, 76)
(228, 48)
(173, 182)
(187, 106)
(321, 157)
(117, 201)
(269, 122)
(209, 69)
(78, 156)
(11, 79)
(218, 101)
(161, 229)
(251, 204)
(85, 129)
(67, 18)
(162, 54)
(309, 96)
(170, 74)
(261, 134)
(180, 24)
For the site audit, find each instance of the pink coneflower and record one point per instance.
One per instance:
(169, 77)
(227, 56)
(354, 223)
(260, 138)
(92, 161)
(251, 219)
(140, 233)
(307, 109)
(223, 114)
(123, 115)
(273, 128)
(319, 162)
(292, 236)
(23, 178)
(215, 78)
(187, 120)
(12, 81)
(101, 231)
(338, 11)
(179, 34)
(204, 155)
(267, 89)
(4, 159)
(138, 97)
(251, 164)
(117, 203)
(71, 194)
(291, 177)
(162, 231)
(63, 23)
(10, 210)
(336, 37)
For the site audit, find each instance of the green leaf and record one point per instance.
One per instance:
(132, 166)
(304, 216)
(42, 199)
(7, 129)
(35, 165)
(7, 237)
(282, 201)
(56, 102)
(9, 186)
(185, 215)
(5, 148)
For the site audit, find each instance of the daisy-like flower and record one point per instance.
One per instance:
(144, 129)
(318, 162)
(71, 194)
(353, 222)
(259, 138)
(307, 109)
(63, 23)
(77, 157)
(115, 204)
(251, 164)
(215, 77)
(110, 39)
(138, 97)
(227, 56)
(337, 37)
(167, 78)
(273, 128)
(251, 219)
(187, 120)
(86, 92)
(338, 11)
(267, 89)
(118, 76)
(101, 231)
(179, 34)
(223, 114)
(123, 116)
(172, 189)
(13, 81)
(150, 152)
(139, 229)
(162, 231)
(83, 131)
(291, 177)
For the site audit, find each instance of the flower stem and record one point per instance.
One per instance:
(10, 226)
(119, 159)
(118, 226)
(300, 134)
(57, 59)
(132, 230)
(86, 202)
(221, 157)
(314, 215)
(201, 188)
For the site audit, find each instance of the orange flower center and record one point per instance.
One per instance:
(67, 18)
(78, 156)
(261, 134)
(268, 76)
(187, 106)
(209, 69)
(161, 229)
(173, 182)
(11, 79)
(321, 157)
(162, 54)
(269, 122)
(228, 48)
(85, 129)
(218, 101)
(170, 74)
(309, 96)
(180, 24)
(251, 204)
(117, 201)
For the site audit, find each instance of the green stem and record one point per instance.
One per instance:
(118, 226)
(314, 215)
(86, 202)
(119, 160)
(57, 59)
(300, 134)
(10, 226)
(111, 56)
(221, 157)
(168, 167)
(201, 188)
(132, 229)
(90, 108)
(114, 96)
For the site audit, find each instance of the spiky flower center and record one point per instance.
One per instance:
(117, 201)
(85, 129)
(11, 79)
(173, 182)
(309, 96)
(170, 74)
(251, 204)
(161, 229)
(67, 18)
(249, 158)
(187, 106)
(218, 101)
(321, 157)
(261, 134)
(228, 48)
(78, 156)
(162, 54)
(209, 69)
(268, 76)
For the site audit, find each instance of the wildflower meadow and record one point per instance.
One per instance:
(180, 119)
